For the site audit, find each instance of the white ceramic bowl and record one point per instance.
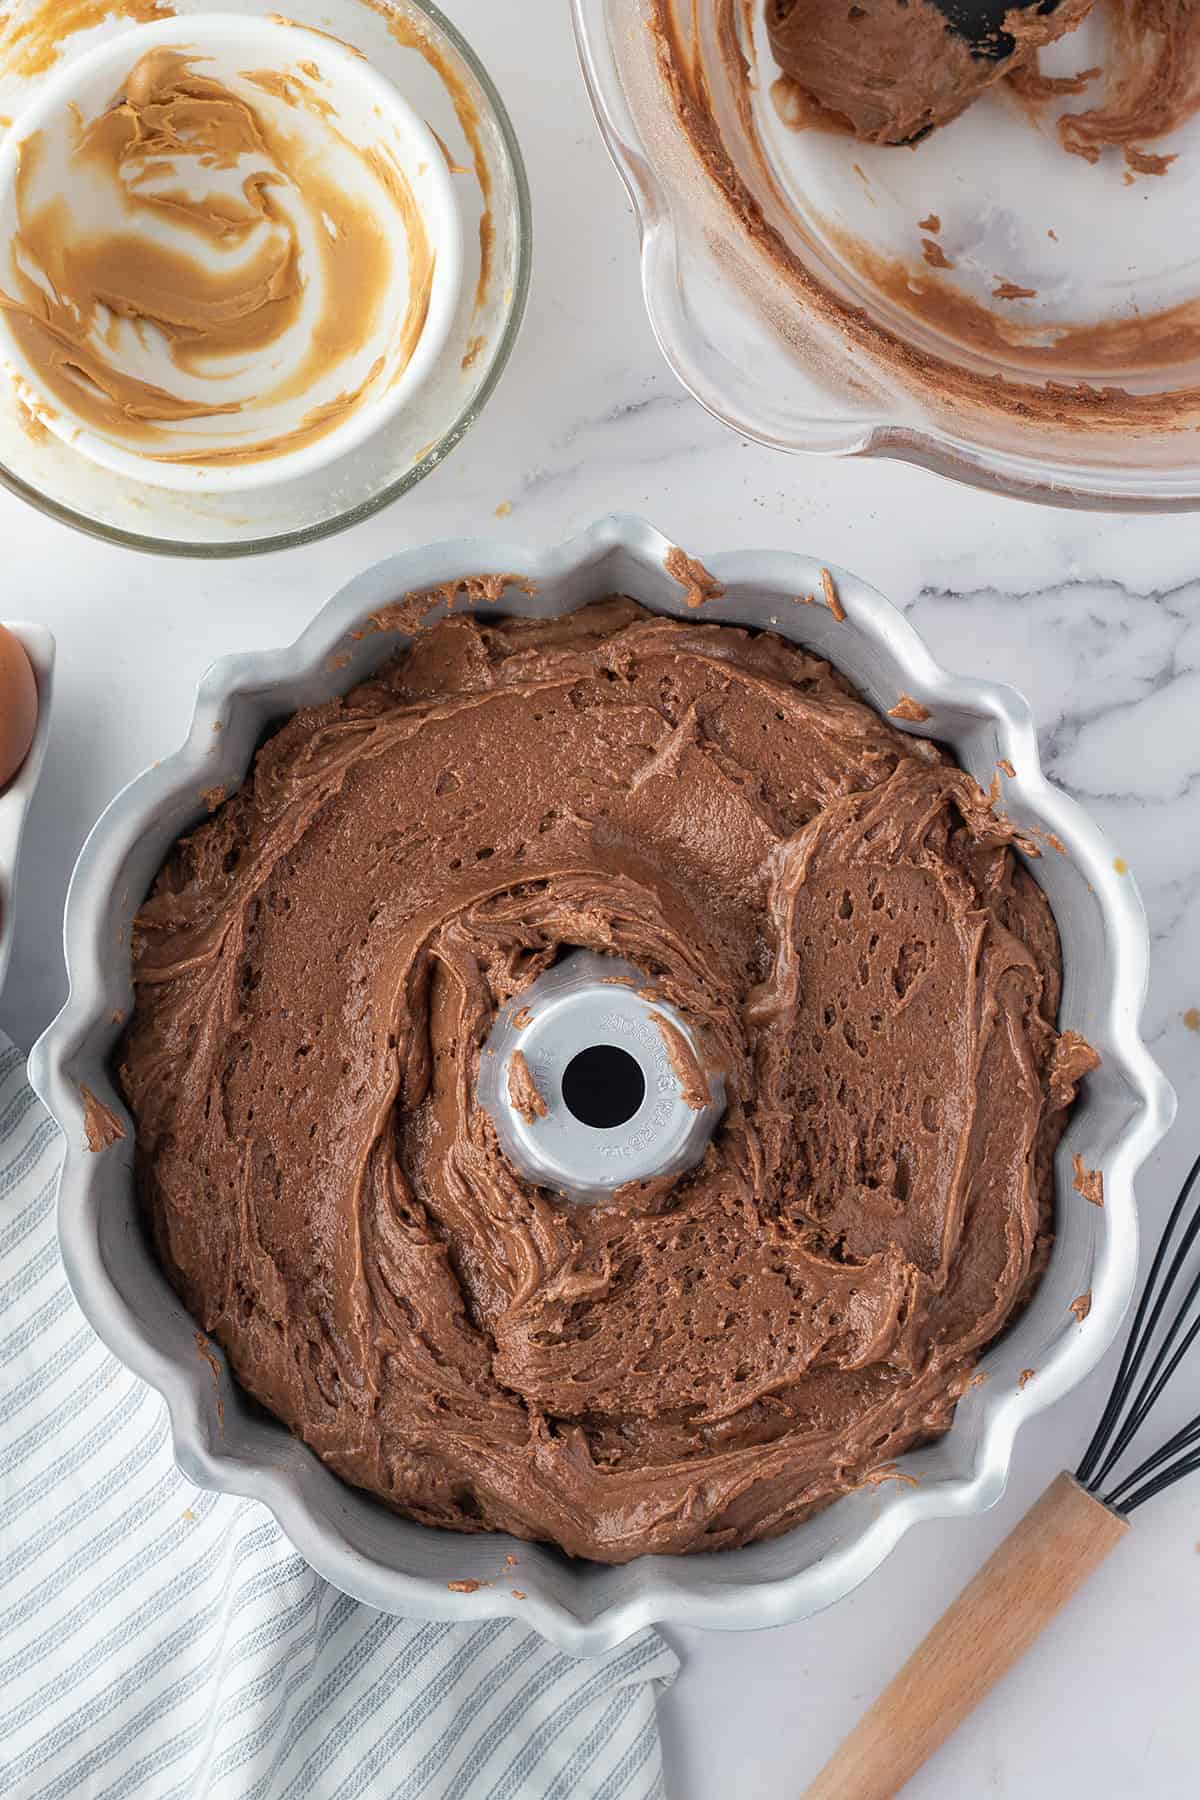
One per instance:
(364, 110)
(413, 47)
(15, 798)
(402, 1567)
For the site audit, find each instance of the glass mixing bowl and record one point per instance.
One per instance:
(412, 44)
(786, 281)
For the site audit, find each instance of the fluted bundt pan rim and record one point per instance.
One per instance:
(224, 1442)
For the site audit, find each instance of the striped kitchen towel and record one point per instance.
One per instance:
(159, 1640)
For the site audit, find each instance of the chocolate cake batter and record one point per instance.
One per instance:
(836, 906)
(894, 69)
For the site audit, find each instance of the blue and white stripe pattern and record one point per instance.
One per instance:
(159, 1640)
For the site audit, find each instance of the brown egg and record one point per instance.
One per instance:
(18, 706)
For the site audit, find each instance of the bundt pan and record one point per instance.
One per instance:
(225, 1442)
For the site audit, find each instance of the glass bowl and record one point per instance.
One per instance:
(412, 44)
(786, 281)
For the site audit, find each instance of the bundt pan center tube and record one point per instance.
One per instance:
(593, 1080)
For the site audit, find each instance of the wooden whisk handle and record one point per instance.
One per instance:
(1062, 1538)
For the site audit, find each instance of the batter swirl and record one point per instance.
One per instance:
(832, 904)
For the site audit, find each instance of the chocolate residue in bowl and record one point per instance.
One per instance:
(1152, 84)
(1112, 356)
(934, 255)
(891, 71)
(894, 70)
(1012, 290)
(1106, 351)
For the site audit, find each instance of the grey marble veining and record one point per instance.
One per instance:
(1095, 617)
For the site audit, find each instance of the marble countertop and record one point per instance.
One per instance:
(1095, 617)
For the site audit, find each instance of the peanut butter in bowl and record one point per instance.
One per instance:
(229, 252)
(299, 248)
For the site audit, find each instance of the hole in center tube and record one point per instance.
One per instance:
(603, 1086)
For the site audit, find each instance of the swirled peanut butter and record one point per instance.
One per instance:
(834, 903)
(199, 262)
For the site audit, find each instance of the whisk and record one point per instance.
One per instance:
(1062, 1538)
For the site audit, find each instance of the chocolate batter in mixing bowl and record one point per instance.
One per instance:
(834, 910)
(891, 70)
